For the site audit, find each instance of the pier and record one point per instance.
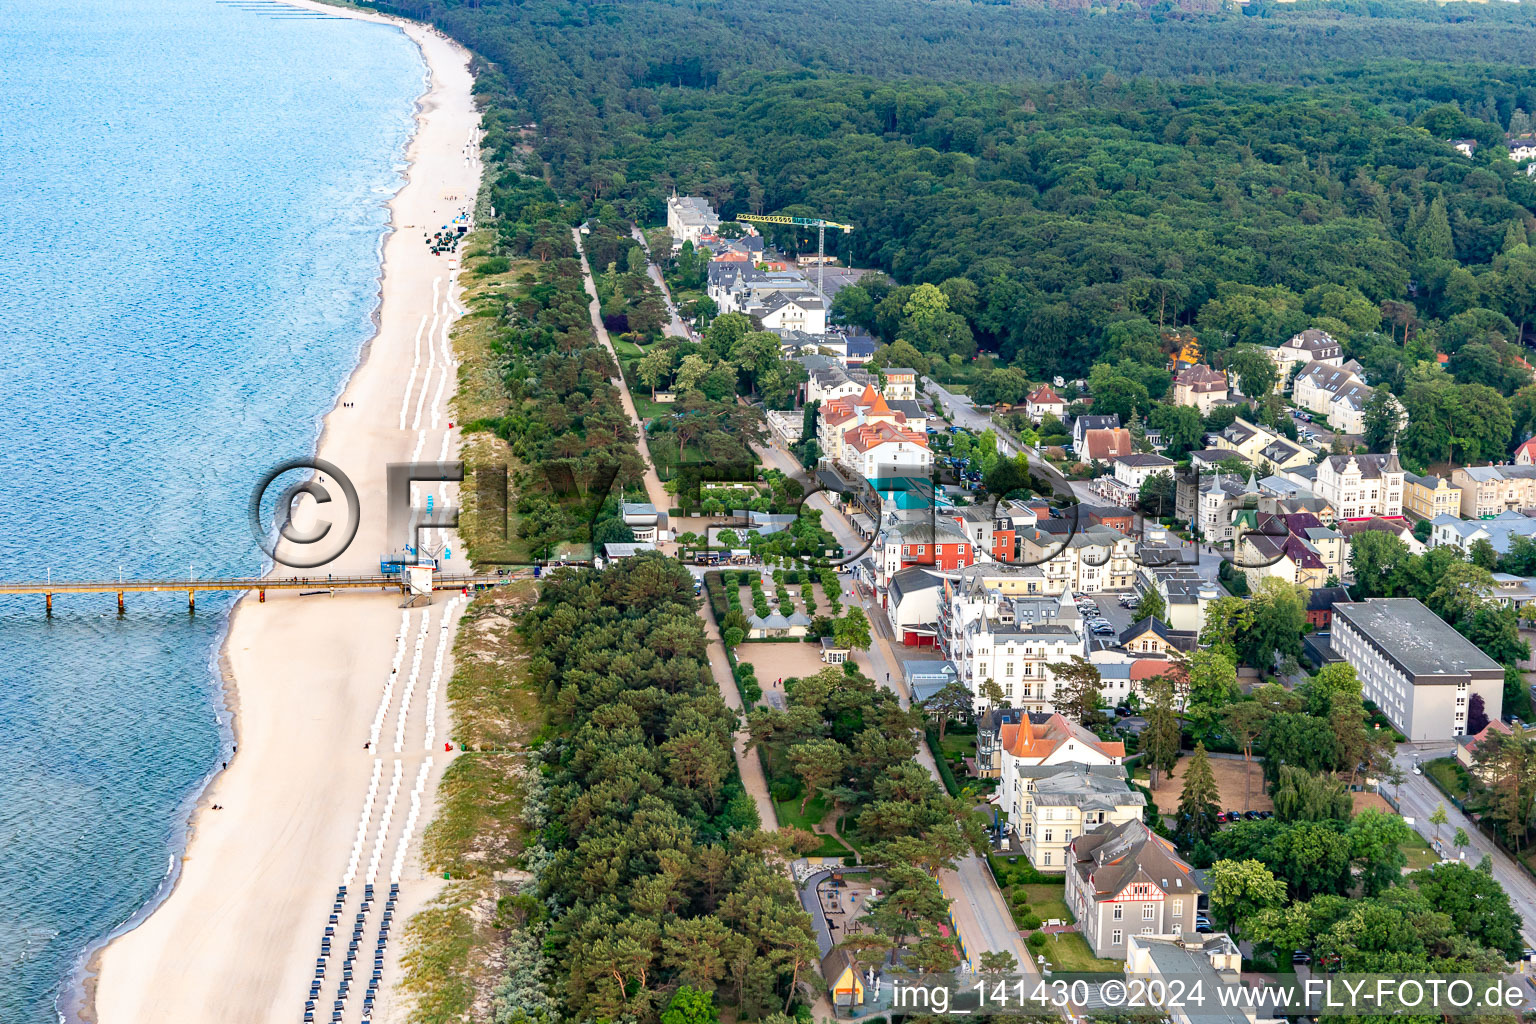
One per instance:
(260, 584)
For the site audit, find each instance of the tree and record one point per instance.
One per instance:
(1382, 415)
(1477, 715)
(1505, 764)
(1376, 847)
(634, 260)
(1279, 611)
(1478, 906)
(818, 762)
(1301, 795)
(1377, 560)
(1199, 803)
(852, 629)
(1255, 370)
(1077, 690)
(1240, 889)
(689, 1005)
(1212, 686)
(1244, 721)
(1181, 427)
(1162, 737)
(992, 692)
(997, 962)
(1226, 619)
(1151, 603)
(1461, 840)
(951, 702)
(1437, 819)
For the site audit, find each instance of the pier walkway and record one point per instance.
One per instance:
(260, 584)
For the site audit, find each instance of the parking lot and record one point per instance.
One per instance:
(1109, 608)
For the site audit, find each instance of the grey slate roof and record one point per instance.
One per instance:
(1116, 855)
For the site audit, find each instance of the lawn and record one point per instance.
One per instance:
(627, 349)
(1046, 901)
(958, 744)
(647, 409)
(1418, 852)
(1450, 774)
(788, 812)
(1068, 951)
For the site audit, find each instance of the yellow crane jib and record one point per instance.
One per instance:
(818, 223)
(807, 222)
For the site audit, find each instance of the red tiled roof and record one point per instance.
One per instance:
(1103, 445)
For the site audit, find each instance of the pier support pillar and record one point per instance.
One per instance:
(48, 599)
(191, 601)
(261, 596)
(122, 609)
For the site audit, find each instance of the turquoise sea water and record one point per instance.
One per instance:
(191, 211)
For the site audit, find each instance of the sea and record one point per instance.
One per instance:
(192, 213)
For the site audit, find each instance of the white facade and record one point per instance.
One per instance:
(992, 635)
(1361, 486)
(689, 218)
(1135, 470)
(1415, 667)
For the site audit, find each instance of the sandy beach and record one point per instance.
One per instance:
(238, 937)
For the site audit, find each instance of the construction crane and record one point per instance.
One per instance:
(805, 222)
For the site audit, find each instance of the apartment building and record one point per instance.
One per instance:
(1429, 496)
(689, 218)
(1014, 640)
(1488, 490)
(1415, 667)
(1051, 805)
(1124, 880)
(1086, 559)
(1201, 387)
(1362, 486)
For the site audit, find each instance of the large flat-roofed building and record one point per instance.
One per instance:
(1415, 667)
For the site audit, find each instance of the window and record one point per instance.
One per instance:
(1119, 912)
(1147, 930)
(1115, 937)
(1008, 668)
(1178, 908)
(1049, 835)
(1047, 858)
(1148, 911)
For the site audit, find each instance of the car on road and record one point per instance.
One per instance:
(1300, 956)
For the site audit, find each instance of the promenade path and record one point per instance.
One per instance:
(747, 761)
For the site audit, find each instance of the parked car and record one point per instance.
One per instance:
(1221, 816)
(1251, 815)
(1301, 956)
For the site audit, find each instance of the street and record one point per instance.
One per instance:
(1418, 798)
(983, 919)
(676, 328)
(965, 414)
